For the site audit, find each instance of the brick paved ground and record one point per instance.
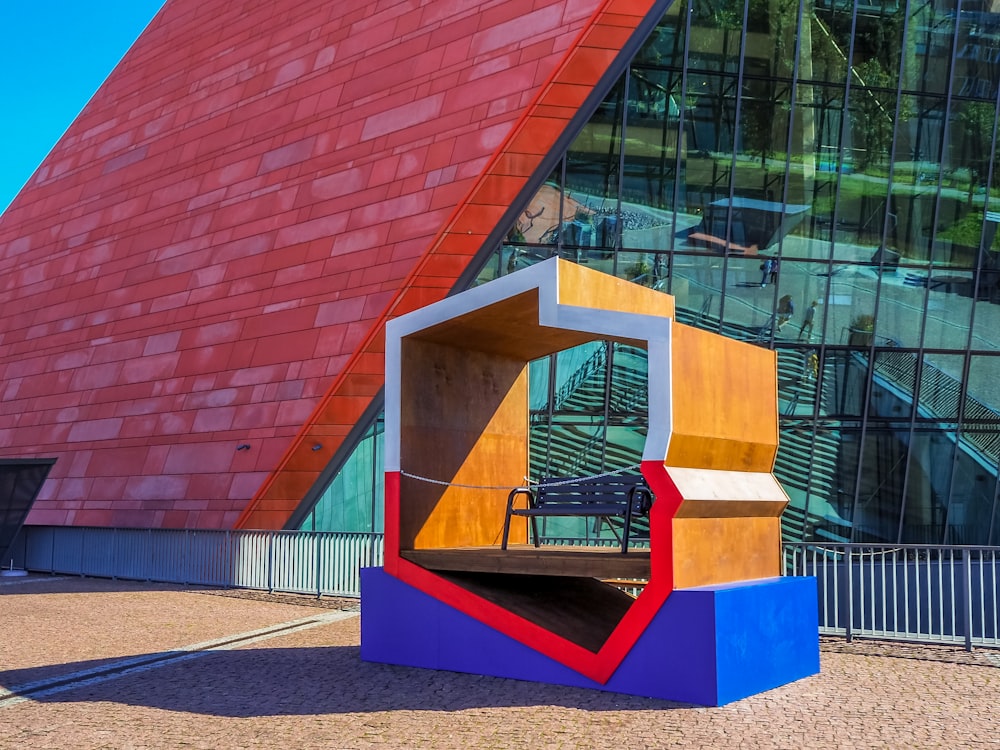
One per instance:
(307, 688)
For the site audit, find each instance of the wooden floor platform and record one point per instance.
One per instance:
(525, 559)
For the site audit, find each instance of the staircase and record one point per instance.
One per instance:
(806, 463)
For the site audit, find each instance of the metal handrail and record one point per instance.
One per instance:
(926, 593)
(304, 562)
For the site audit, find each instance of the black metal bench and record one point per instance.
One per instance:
(621, 496)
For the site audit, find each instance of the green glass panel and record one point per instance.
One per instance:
(931, 456)
(355, 499)
(665, 46)
(716, 32)
(651, 157)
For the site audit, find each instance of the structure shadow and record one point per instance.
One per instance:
(310, 682)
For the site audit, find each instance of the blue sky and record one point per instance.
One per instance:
(55, 54)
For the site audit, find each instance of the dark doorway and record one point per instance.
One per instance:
(20, 481)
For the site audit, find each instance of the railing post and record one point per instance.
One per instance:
(270, 562)
(849, 598)
(967, 596)
(83, 548)
(319, 564)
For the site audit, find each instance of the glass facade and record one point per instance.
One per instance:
(816, 178)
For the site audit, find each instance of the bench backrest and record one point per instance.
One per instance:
(594, 492)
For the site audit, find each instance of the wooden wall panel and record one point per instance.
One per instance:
(578, 287)
(725, 396)
(720, 550)
(464, 420)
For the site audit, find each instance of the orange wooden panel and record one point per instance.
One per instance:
(720, 550)
(731, 508)
(463, 420)
(725, 403)
(714, 453)
(584, 287)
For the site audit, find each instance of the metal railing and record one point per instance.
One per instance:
(935, 594)
(305, 562)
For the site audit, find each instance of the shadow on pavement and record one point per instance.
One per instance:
(314, 681)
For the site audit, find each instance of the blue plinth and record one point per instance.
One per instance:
(709, 645)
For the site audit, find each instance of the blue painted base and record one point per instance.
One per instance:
(709, 645)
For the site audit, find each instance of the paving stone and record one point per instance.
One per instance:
(309, 688)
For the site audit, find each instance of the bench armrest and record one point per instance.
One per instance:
(510, 509)
(640, 498)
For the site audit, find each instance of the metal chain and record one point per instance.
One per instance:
(527, 482)
(452, 484)
(574, 480)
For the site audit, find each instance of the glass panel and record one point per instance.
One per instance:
(538, 384)
(894, 384)
(880, 487)
(847, 436)
(844, 377)
(918, 207)
(716, 28)
(982, 402)
(899, 317)
(711, 107)
(798, 381)
(537, 227)
(978, 49)
(628, 392)
(665, 46)
(593, 164)
(495, 265)
(355, 499)
(637, 268)
(928, 486)
(819, 135)
(807, 466)
(971, 510)
(960, 226)
(851, 308)
(651, 158)
(930, 38)
(986, 287)
(811, 323)
(941, 386)
(696, 285)
(948, 316)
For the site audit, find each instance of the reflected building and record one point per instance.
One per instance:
(852, 142)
